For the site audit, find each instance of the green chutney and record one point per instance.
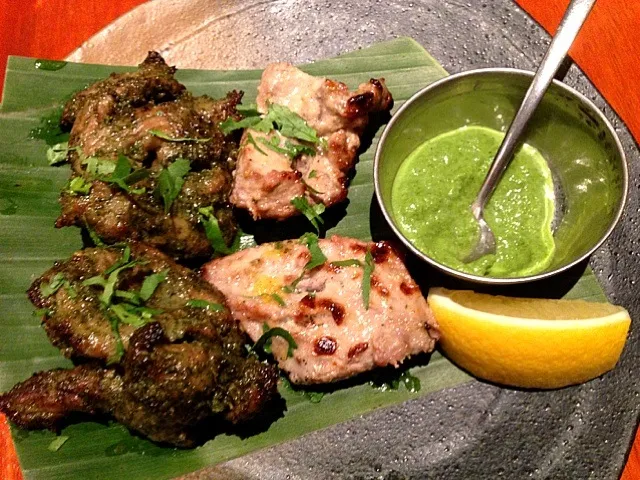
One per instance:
(438, 181)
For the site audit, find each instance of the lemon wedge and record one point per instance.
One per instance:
(530, 343)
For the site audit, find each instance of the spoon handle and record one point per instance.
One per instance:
(573, 19)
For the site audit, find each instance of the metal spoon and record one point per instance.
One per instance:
(573, 19)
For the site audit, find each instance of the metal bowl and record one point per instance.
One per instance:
(578, 142)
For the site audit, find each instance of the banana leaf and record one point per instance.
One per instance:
(29, 244)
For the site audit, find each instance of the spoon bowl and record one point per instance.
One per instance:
(575, 16)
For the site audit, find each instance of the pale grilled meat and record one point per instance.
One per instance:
(265, 181)
(184, 366)
(337, 335)
(117, 116)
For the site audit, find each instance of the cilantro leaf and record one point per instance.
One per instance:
(313, 174)
(410, 382)
(110, 284)
(252, 141)
(95, 238)
(198, 303)
(212, 230)
(290, 149)
(48, 289)
(264, 341)
(166, 136)
(115, 329)
(278, 299)
(249, 110)
(352, 262)
(124, 176)
(124, 259)
(290, 124)
(317, 257)
(170, 182)
(366, 278)
(57, 153)
(242, 241)
(150, 284)
(312, 212)
(310, 188)
(78, 186)
(99, 166)
(229, 125)
(126, 315)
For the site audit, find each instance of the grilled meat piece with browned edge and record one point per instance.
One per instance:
(185, 364)
(265, 181)
(324, 309)
(130, 114)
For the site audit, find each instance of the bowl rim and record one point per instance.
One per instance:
(499, 280)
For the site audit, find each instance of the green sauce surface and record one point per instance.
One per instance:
(438, 181)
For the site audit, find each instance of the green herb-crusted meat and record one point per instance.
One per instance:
(145, 156)
(159, 349)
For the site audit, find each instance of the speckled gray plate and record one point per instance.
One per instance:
(475, 430)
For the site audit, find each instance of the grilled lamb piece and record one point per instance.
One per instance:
(182, 364)
(324, 308)
(265, 181)
(118, 117)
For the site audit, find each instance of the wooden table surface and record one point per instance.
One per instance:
(607, 51)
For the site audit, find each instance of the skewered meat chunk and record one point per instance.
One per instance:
(186, 363)
(149, 118)
(265, 181)
(324, 308)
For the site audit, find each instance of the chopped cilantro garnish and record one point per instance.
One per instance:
(95, 238)
(150, 284)
(264, 342)
(242, 241)
(124, 176)
(166, 136)
(317, 257)
(290, 149)
(352, 262)
(212, 230)
(249, 110)
(385, 382)
(252, 141)
(115, 329)
(367, 270)
(290, 124)
(278, 117)
(57, 153)
(198, 303)
(124, 259)
(110, 284)
(311, 189)
(170, 182)
(48, 289)
(57, 443)
(57, 281)
(99, 166)
(278, 299)
(125, 306)
(78, 186)
(313, 174)
(41, 312)
(411, 382)
(229, 125)
(312, 212)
